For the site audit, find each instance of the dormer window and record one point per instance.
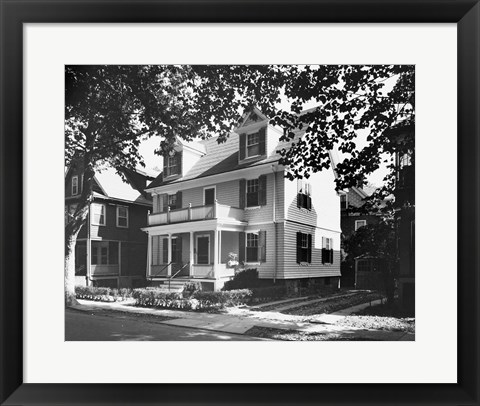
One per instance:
(252, 144)
(173, 164)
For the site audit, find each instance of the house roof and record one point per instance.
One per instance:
(113, 186)
(221, 158)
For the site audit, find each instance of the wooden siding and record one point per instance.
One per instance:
(266, 270)
(325, 210)
(137, 218)
(226, 193)
(264, 214)
(292, 269)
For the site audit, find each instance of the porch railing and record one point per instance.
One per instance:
(193, 213)
(176, 273)
(159, 273)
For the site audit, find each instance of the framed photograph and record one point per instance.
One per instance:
(333, 301)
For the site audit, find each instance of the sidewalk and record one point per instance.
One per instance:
(240, 320)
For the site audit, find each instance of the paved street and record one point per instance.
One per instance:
(104, 325)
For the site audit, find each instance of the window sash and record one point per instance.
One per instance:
(253, 145)
(122, 218)
(98, 214)
(252, 192)
(74, 185)
(172, 165)
(360, 223)
(251, 247)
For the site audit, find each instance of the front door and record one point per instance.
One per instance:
(209, 196)
(203, 250)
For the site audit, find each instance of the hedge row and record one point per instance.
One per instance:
(102, 294)
(198, 301)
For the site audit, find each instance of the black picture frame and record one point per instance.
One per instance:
(465, 13)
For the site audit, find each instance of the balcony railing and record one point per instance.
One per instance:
(214, 211)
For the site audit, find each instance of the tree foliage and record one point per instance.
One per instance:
(349, 100)
(375, 240)
(109, 110)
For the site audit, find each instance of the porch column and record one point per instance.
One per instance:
(169, 255)
(192, 256)
(216, 254)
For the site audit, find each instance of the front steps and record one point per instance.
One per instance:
(176, 285)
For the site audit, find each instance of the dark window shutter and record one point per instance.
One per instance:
(299, 247)
(324, 255)
(241, 247)
(243, 145)
(262, 190)
(309, 202)
(179, 200)
(242, 193)
(179, 162)
(165, 160)
(262, 140)
(309, 252)
(299, 200)
(331, 256)
(262, 245)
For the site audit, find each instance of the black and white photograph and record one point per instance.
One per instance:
(239, 202)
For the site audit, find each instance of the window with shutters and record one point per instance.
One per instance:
(304, 199)
(74, 185)
(252, 247)
(252, 192)
(98, 214)
(327, 250)
(122, 216)
(304, 247)
(343, 202)
(360, 223)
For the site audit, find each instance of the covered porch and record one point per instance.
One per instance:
(208, 253)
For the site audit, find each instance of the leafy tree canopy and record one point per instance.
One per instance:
(349, 99)
(375, 240)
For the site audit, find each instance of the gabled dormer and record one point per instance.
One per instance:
(253, 132)
(181, 159)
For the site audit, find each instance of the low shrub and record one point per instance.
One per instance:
(191, 288)
(222, 299)
(246, 279)
(198, 301)
(102, 294)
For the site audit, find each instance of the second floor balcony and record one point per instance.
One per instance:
(196, 213)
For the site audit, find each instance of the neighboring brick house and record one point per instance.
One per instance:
(111, 248)
(216, 204)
